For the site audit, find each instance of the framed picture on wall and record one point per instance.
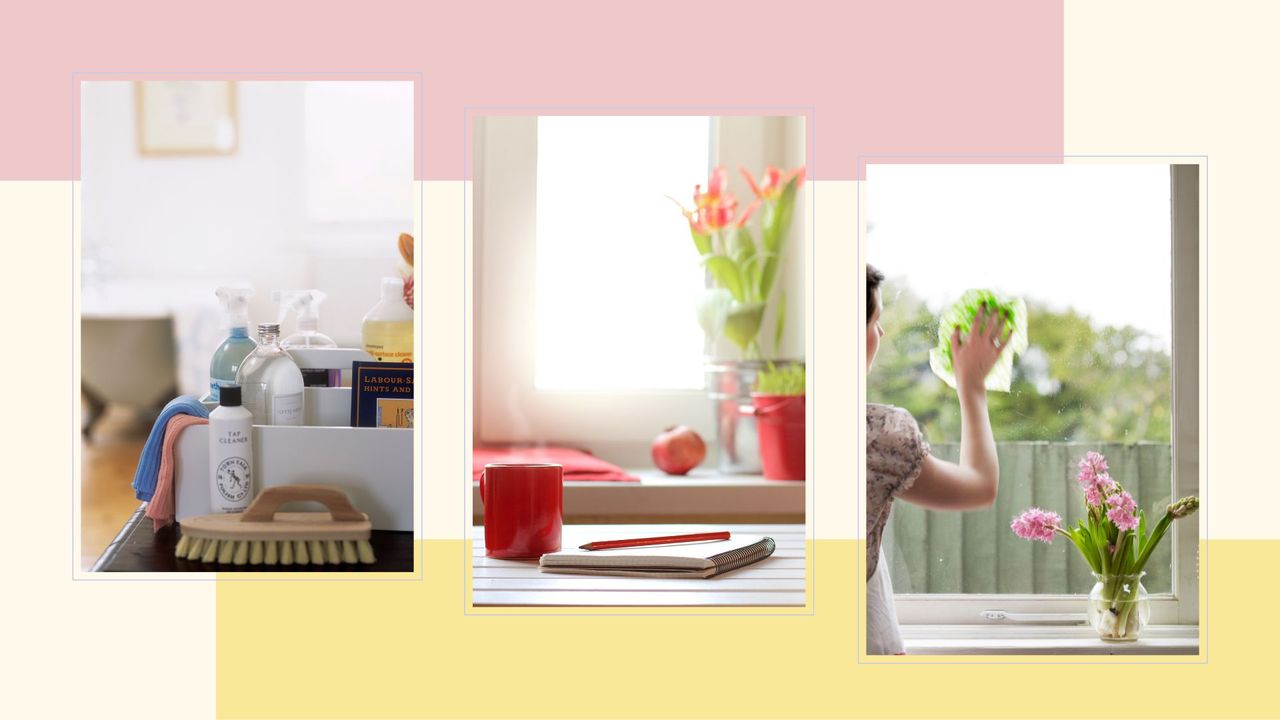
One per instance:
(176, 118)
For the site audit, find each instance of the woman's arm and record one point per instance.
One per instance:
(972, 483)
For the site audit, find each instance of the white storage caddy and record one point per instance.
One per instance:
(374, 466)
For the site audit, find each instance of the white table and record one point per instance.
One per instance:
(777, 581)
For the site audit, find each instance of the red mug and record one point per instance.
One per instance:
(523, 509)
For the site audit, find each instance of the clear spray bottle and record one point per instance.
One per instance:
(305, 304)
(227, 358)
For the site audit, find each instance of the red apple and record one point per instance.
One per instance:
(678, 450)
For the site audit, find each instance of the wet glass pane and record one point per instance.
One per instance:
(1088, 248)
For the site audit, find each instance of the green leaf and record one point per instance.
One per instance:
(750, 278)
(777, 217)
(1099, 537)
(741, 246)
(785, 380)
(727, 275)
(742, 324)
(700, 241)
(1080, 537)
(780, 322)
(712, 308)
(768, 274)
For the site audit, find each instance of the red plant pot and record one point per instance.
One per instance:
(780, 425)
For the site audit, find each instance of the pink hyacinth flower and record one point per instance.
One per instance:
(1093, 496)
(1093, 465)
(1036, 524)
(1123, 520)
(1122, 511)
(1122, 501)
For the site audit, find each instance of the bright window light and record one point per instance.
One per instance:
(616, 271)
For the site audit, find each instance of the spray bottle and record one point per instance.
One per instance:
(306, 305)
(227, 358)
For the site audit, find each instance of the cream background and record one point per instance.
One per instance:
(1198, 78)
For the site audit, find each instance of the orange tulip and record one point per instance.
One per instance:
(715, 208)
(772, 182)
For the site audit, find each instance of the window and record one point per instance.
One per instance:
(585, 330)
(612, 268)
(1105, 257)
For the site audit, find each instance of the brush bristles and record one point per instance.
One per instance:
(274, 552)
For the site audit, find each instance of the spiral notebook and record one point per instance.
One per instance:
(692, 560)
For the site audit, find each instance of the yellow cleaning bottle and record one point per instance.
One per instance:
(387, 331)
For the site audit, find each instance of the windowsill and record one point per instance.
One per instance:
(702, 495)
(1045, 640)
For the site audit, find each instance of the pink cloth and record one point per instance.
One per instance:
(160, 509)
(578, 465)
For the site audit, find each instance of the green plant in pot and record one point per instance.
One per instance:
(778, 404)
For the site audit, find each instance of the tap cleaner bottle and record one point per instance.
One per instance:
(227, 358)
(388, 328)
(230, 453)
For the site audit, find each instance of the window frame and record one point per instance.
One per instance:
(508, 406)
(1181, 605)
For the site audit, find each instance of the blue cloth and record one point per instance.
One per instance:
(144, 480)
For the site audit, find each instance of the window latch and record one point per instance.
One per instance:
(1037, 618)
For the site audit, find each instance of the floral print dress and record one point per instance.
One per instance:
(896, 450)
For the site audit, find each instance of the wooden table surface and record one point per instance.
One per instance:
(777, 581)
(138, 549)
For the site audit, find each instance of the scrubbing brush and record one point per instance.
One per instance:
(262, 536)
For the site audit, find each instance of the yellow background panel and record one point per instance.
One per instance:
(390, 649)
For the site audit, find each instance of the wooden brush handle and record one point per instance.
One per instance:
(264, 507)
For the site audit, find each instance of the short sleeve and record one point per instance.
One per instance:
(896, 449)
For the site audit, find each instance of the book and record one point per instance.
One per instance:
(381, 394)
(692, 560)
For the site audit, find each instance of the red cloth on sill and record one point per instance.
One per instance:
(578, 465)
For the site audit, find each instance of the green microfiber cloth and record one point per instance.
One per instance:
(962, 313)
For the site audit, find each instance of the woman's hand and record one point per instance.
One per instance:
(973, 355)
(974, 481)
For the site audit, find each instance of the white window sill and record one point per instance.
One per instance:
(702, 495)
(1045, 640)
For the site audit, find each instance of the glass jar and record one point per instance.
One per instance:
(1119, 607)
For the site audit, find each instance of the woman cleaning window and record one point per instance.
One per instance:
(899, 464)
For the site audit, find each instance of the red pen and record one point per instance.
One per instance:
(664, 540)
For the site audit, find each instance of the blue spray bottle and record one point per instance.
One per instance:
(227, 358)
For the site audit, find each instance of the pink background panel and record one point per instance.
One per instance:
(904, 78)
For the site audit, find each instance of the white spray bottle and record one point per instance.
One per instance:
(227, 358)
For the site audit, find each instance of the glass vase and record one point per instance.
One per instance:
(1119, 607)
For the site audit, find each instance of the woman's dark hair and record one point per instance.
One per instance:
(874, 278)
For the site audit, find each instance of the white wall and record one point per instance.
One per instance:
(166, 231)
